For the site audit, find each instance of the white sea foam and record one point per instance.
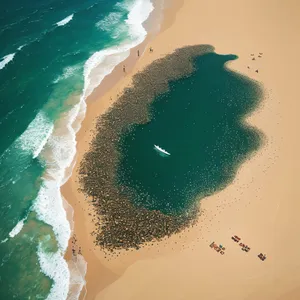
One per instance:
(65, 20)
(113, 19)
(49, 208)
(17, 228)
(36, 135)
(59, 152)
(54, 266)
(78, 268)
(25, 147)
(112, 24)
(6, 59)
(33, 139)
(100, 64)
(67, 72)
(21, 47)
(58, 148)
(110, 57)
(58, 145)
(139, 13)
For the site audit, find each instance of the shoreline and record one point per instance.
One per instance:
(257, 206)
(109, 83)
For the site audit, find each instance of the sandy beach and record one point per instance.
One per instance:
(260, 206)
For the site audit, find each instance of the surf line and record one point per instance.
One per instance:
(161, 150)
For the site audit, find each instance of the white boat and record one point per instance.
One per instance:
(161, 150)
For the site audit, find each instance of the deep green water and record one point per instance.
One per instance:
(199, 121)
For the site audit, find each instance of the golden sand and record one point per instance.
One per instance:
(262, 204)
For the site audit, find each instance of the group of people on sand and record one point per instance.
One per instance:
(218, 248)
(244, 247)
(262, 256)
(247, 248)
(138, 54)
(253, 58)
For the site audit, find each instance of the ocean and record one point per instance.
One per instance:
(52, 56)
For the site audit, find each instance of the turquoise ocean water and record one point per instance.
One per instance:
(52, 55)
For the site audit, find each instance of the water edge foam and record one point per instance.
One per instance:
(16, 230)
(49, 203)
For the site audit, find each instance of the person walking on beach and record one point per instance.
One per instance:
(151, 49)
(138, 52)
(124, 69)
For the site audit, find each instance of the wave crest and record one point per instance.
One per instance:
(36, 135)
(55, 267)
(55, 144)
(17, 229)
(6, 59)
(67, 73)
(112, 24)
(65, 20)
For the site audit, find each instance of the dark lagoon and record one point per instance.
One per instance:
(199, 121)
(189, 104)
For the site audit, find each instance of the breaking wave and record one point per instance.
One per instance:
(54, 144)
(21, 47)
(67, 73)
(65, 20)
(111, 24)
(36, 135)
(55, 267)
(6, 59)
(17, 229)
